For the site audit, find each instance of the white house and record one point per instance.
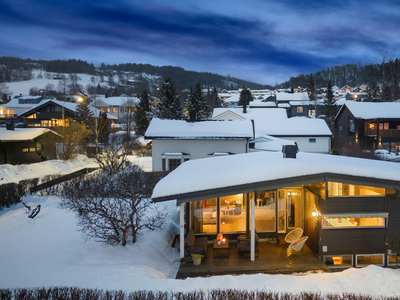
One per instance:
(310, 135)
(176, 141)
(121, 107)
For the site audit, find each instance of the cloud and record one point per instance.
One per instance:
(252, 39)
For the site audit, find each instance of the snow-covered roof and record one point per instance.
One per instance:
(374, 110)
(262, 104)
(118, 101)
(292, 96)
(180, 129)
(252, 113)
(297, 126)
(269, 143)
(22, 134)
(261, 167)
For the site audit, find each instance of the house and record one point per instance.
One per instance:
(18, 105)
(53, 113)
(349, 208)
(25, 145)
(177, 141)
(310, 135)
(121, 107)
(238, 113)
(282, 98)
(371, 124)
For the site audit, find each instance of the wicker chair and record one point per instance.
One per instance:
(298, 245)
(294, 235)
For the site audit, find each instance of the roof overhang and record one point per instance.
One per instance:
(279, 183)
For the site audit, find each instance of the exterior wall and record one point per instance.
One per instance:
(322, 144)
(311, 226)
(339, 241)
(195, 148)
(11, 153)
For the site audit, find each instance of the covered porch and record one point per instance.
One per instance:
(272, 259)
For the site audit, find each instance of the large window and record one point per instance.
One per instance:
(265, 211)
(354, 221)
(344, 189)
(204, 216)
(233, 213)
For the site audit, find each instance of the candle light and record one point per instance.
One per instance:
(223, 241)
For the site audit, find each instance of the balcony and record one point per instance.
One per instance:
(384, 132)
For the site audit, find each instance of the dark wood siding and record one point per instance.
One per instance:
(310, 222)
(354, 241)
(353, 205)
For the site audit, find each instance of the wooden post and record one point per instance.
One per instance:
(182, 230)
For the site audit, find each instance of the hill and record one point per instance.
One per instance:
(128, 74)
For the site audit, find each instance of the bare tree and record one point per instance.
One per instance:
(114, 210)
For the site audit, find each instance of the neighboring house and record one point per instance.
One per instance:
(349, 208)
(282, 98)
(53, 113)
(249, 113)
(310, 135)
(25, 145)
(302, 108)
(17, 105)
(176, 141)
(120, 107)
(372, 124)
(263, 142)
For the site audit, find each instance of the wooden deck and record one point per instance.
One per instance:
(272, 259)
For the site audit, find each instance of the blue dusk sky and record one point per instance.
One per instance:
(260, 41)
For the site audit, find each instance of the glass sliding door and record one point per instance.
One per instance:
(281, 211)
(265, 211)
(233, 213)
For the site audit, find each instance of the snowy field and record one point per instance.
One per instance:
(49, 251)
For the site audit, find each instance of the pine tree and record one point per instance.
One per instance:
(83, 113)
(197, 102)
(330, 106)
(245, 97)
(142, 114)
(169, 105)
(311, 87)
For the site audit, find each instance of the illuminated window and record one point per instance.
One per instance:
(372, 259)
(25, 150)
(354, 221)
(300, 109)
(114, 110)
(383, 126)
(338, 189)
(339, 261)
(372, 126)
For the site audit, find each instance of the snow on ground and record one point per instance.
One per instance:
(49, 251)
(15, 173)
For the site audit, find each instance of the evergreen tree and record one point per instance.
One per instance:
(311, 88)
(83, 113)
(245, 97)
(198, 103)
(169, 105)
(142, 114)
(330, 106)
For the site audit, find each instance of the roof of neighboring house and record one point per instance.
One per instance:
(252, 113)
(291, 96)
(22, 134)
(180, 129)
(67, 105)
(297, 126)
(373, 110)
(226, 175)
(265, 142)
(117, 101)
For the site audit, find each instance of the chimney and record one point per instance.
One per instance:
(289, 151)
(10, 126)
(244, 108)
(192, 115)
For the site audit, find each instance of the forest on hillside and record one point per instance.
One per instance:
(16, 69)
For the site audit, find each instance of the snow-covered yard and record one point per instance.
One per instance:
(49, 251)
